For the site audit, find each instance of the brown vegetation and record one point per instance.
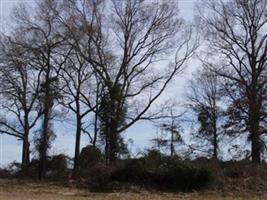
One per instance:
(21, 190)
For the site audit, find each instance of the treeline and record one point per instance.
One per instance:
(107, 63)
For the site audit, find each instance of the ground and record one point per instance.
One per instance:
(21, 190)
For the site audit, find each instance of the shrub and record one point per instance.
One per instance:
(58, 167)
(180, 175)
(30, 172)
(133, 171)
(89, 156)
(4, 173)
(98, 178)
(164, 173)
(14, 167)
(58, 163)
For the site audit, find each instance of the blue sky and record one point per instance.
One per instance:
(141, 133)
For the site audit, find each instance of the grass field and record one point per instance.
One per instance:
(19, 190)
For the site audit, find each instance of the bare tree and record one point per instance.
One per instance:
(204, 98)
(79, 87)
(168, 120)
(237, 38)
(19, 93)
(128, 51)
(45, 39)
(170, 134)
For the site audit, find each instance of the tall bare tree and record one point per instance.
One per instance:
(79, 88)
(128, 50)
(237, 37)
(19, 93)
(45, 39)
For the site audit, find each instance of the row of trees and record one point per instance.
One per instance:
(97, 59)
(227, 97)
(237, 39)
(108, 62)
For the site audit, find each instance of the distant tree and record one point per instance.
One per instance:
(204, 99)
(170, 128)
(237, 38)
(169, 137)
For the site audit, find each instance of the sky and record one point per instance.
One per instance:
(141, 133)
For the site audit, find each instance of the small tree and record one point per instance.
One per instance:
(169, 137)
(204, 97)
(170, 128)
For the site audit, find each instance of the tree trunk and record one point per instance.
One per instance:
(95, 131)
(44, 144)
(255, 149)
(25, 153)
(215, 137)
(45, 134)
(113, 143)
(254, 124)
(107, 140)
(215, 146)
(26, 145)
(172, 138)
(77, 143)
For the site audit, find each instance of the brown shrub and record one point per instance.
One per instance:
(89, 156)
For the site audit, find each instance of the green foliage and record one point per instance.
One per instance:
(153, 158)
(112, 113)
(43, 142)
(205, 120)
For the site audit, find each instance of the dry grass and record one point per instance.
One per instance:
(19, 190)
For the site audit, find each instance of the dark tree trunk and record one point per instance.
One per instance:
(77, 143)
(113, 143)
(215, 135)
(48, 103)
(254, 123)
(255, 149)
(172, 148)
(44, 144)
(26, 145)
(113, 146)
(254, 133)
(215, 147)
(95, 131)
(25, 153)
(172, 138)
(107, 140)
